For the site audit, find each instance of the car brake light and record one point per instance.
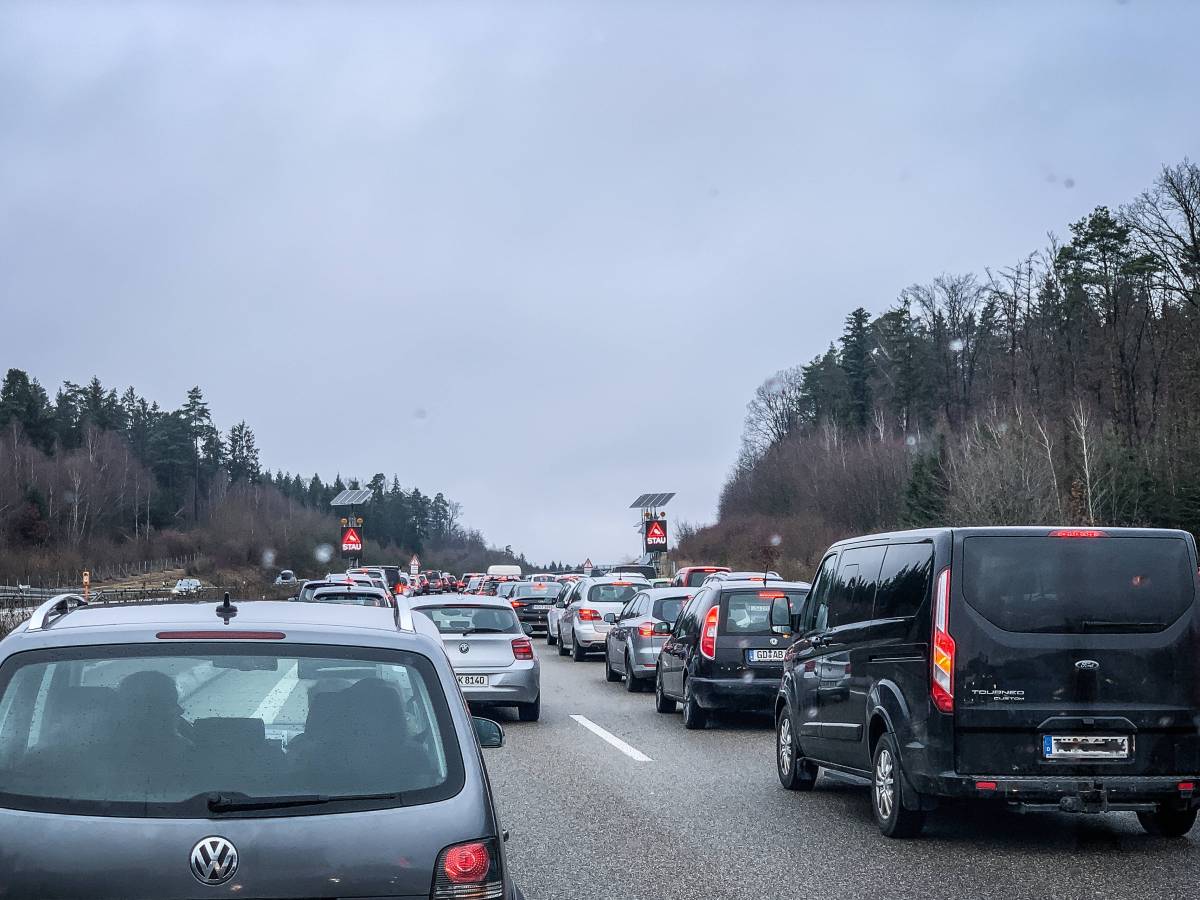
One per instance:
(220, 635)
(1186, 787)
(465, 864)
(941, 687)
(589, 615)
(985, 785)
(708, 636)
(646, 629)
(772, 595)
(522, 648)
(1078, 533)
(517, 604)
(621, 583)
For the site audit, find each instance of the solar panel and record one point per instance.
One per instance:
(640, 502)
(651, 501)
(350, 498)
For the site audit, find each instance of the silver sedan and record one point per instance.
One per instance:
(637, 634)
(491, 653)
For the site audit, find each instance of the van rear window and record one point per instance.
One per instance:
(1078, 585)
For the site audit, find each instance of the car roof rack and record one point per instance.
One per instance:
(56, 607)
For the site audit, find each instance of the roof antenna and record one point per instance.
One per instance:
(226, 610)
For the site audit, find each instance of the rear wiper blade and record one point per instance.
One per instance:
(1105, 625)
(484, 631)
(238, 802)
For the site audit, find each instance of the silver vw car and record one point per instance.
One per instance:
(257, 749)
(637, 634)
(491, 652)
(581, 626)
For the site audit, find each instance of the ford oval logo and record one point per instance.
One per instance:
(1087, 665)
(214, 860)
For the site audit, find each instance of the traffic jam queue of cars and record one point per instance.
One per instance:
(1044, 668)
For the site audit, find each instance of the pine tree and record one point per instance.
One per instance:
(857, 362)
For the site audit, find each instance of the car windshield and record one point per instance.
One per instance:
(614, 592)
(467, 619)
(347, 596)
(749, 612)
(188, 730)
(1078, 585)
(539, 590)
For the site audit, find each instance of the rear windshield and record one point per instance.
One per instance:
(668, 608)
(348, 598)
(613, 592)
(193, 730)
(696, 577)
(473, 619)
(1078, 585)
(539, 590)
(749, 612)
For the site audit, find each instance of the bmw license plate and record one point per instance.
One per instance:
(473, 680)
(541, 607)
(1085, 746)
(767, 655)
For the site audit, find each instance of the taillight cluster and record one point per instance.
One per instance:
(941, 686)
(469, 871)
(646, 629)
(589, 615)
(522, 648)
(708, 635)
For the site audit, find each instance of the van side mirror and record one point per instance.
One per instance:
(489, 733)
(781, 615)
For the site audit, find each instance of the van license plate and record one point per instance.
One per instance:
(767, 655)
(1085, 746)
(473, 680)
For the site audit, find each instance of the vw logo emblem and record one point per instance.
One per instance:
(1087, 665)
(464, 648)
(774, 641)
(214, 860)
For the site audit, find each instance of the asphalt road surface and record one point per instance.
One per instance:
(702, 815)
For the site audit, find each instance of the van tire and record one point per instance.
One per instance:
(562, 647)
(795, 772)
(662, 702)
(577, 652)
(632, 685)
(886, 783)
(694, 715)
(1167, 822)
(611, 675)
(530, 712)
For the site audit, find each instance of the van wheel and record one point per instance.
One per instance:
(694, 716)
(577, 652)
(562, 647)
(890, 815)
(611, 675)
(662, 702)
(530, 712)
(551, 640)
(795, 772)
(1167, 822)
(633, 685)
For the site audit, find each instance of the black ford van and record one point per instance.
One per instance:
(1052, 668)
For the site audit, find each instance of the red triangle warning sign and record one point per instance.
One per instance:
(350, 536)
(655, 532)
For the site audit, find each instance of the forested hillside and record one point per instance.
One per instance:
(1061, 387)
(94, 476)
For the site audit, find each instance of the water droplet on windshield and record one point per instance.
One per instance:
(268, 558)
(323, 553)
(956, 345)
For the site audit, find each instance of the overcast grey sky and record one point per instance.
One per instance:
(412, 224)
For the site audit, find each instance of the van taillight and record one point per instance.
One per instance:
(708, 635)
(522, 648)
(469, 870)
(941, 687)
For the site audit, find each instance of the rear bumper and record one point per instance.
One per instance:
(506, 687)
(753, 695)
(1081, 794)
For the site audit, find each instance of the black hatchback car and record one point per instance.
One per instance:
(1049, 668)
(722, 653)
